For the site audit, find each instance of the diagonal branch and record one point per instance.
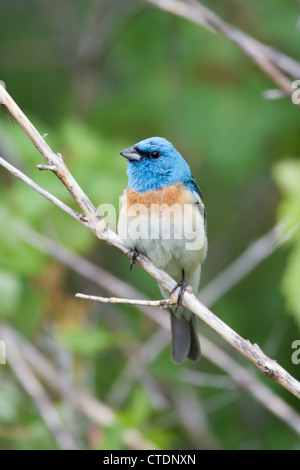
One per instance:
(137, 365)
(252, 352)
(19, 174)
(269, 60)
(248, 381)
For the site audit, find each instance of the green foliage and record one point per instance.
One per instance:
(85, 341)
(10, 289)
(287, 175)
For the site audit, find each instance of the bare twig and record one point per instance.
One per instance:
(43, 192)
(230, 276)
(117, 300)
(54, 161)
(135, 368)
(254, 354)
(269, 60)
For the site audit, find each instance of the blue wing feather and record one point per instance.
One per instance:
(194, 187)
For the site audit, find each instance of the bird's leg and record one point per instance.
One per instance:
(134, 254)
(181, 285)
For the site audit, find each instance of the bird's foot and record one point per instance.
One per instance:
(182, 286)
(134, 254)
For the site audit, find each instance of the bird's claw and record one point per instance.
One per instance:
(182, 286)
(134, 255)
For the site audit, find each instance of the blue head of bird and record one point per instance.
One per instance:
(153, 163)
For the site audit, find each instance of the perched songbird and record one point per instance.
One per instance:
(162, 215)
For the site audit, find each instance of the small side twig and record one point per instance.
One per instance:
(43, 167)
(136, 367)
(96, 223)
(164, 303)
(269, 60)
(19, 174)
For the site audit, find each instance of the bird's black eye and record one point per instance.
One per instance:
(155, 154)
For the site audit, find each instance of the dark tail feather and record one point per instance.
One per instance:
(185, 343)
(195, 350)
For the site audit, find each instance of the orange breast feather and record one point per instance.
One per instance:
(170, 195)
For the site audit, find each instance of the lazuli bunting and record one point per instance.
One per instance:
(163, 216)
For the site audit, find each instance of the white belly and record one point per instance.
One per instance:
(173, 240)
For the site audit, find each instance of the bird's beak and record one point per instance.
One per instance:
(131, 154)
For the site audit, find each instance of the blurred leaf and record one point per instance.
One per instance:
(287, 176)
(290, 280)
(85, 341)
(138, 410)
(10, 292)
(9, 400)
(112, 437)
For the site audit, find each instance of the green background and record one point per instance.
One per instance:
(98, 77)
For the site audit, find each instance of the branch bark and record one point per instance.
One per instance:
(137, 365)
(19, 174)
(95, 222)
(117, 300)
